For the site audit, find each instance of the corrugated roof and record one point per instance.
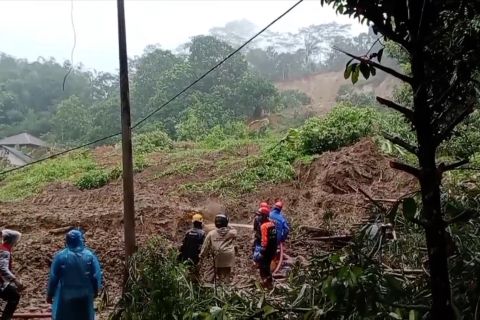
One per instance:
(22, 139)
(19, 154)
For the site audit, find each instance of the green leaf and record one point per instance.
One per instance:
(355, 75)
(365, 70)
(379, 55)
(348, 63)
(348, 71)
(395, 316)
(409, 208)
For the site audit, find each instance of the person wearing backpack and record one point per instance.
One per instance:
(191, 246)
(281, 223)
(10, 286)
(264, 254)
(75, 280)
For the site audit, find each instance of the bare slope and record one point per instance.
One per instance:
(323, 87)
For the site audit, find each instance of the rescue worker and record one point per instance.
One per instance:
(268, 248)
(220, 244)
(192, 245)
(257, 222)
(281, 223)
(10, 286)
(75, 280)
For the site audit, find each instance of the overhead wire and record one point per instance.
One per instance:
(164, 104)
(72, 21)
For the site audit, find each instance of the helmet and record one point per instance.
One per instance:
(263, 211)
(279, 204)
(264, 204)
(221, 221)
(197, 217)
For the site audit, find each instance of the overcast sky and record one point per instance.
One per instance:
(29, 29)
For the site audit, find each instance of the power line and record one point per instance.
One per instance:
(74, 45)
(164, 104)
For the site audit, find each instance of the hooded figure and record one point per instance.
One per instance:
(9, 284)
(75, 280)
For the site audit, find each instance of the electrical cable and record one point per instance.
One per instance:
(163, 105)
(74, 45)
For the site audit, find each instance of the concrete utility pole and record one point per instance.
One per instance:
(127, 161)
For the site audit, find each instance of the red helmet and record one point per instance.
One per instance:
(279, 204)
(264, 211)
(264, 204)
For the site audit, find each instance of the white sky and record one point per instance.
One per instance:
(33, 28)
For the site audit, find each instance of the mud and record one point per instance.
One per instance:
(323, 195)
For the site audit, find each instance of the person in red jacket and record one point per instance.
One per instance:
(267, 248)
(10, 286)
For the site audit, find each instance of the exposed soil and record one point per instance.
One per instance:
(323, 87)
(325, 188)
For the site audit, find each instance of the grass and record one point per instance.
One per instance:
(29, 181)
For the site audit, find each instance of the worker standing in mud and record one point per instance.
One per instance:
(75, 280)
(10, 286)
(265, 252)
(192, 245)
(281, 223)
(256, 225)
(220, 244)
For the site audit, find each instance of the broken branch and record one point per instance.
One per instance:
(402, 143)
(392, 105)
(405, 168)
(452, 166)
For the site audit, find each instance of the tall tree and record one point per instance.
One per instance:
(442, 41)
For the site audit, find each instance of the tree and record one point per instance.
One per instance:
(72, 121)
(441, 39)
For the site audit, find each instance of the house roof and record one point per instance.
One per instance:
(19, 154)
(23, 139)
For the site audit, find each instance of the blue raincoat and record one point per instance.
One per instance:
(75, 280)
(281, 224)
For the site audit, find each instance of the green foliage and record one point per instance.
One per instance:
(97, 178)
(223, 136)
(343, 126)
(151, 141)
(24, 183)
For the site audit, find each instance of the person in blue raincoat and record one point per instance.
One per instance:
(75, 280)
(281, 223)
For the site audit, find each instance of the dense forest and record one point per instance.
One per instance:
(33, 97)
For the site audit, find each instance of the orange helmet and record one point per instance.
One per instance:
(263, 211)
(264, 204)
(279, 204)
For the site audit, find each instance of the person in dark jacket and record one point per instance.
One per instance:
(257, 223)
(75, 280)
(266, 251)
(192, 244)
(10, 286)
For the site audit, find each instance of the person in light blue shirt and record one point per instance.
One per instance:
(281, 223)
(75, 280)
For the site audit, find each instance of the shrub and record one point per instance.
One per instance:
(221, 136)
(92, 179)
(151, 141)
(343, 126)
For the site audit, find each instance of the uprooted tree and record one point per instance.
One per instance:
(442, 41)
